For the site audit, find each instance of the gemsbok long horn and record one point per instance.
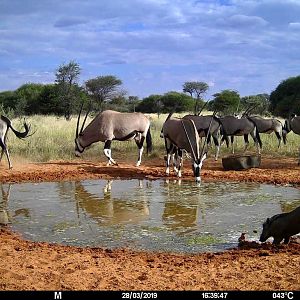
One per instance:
(249, 109)
(204, 105)
(188, 138)
(168, 117)
(87, 113)
(206, 137)
(78, 120)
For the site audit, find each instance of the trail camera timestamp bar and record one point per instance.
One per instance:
(159, 295)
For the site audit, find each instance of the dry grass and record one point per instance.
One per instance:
(54, 139)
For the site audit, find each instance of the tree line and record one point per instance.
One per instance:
(65, 95)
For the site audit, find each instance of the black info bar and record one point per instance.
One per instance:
(197, 295)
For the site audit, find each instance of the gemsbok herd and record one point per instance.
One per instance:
(180, 134)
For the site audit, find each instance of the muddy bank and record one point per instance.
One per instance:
(276, 171)
(41, 266)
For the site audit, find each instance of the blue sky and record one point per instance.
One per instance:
(153, 46)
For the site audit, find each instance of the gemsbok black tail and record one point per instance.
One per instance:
(149, 142)
(20, 135)
(257, 135)
(5, 124)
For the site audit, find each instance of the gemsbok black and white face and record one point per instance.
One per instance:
(78, 148)
(197, 166)
(202, 124)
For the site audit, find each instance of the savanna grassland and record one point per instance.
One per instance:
(53, 139)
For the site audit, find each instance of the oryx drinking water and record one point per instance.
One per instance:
(182, 134)
(111, 125)
(5, 124)
(205, 125)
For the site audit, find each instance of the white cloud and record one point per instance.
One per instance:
(294, 25)
(247, 21)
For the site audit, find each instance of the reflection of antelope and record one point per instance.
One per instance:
(111, 125)
(180, 214)
(5, 124)
(4, 215)
(4, 219)
(108, 210)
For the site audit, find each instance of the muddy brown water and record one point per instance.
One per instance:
(158, 215)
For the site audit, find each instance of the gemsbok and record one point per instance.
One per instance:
(5, 124)
(202, 124)
(292, 124)
(111, 125)
(179, 135)
(233, 126)
(268, 126)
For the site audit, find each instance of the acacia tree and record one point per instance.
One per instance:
(196, 89)
(103, 88)
(67, 76)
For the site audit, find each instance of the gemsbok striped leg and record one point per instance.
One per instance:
(169, 148)
(217, 145)
(232, 143)
(246, 139)
(139, 140)
(107, 153)
(279, 138)
(180, 152)
(254, 136)
(4, 149)
(175, 159)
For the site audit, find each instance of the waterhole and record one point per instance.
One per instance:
(142, 214)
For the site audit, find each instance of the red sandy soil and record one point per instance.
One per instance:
(26, 265)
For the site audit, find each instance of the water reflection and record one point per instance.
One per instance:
(182, 206)
(171, 215)
(108, 210)
(4, 217)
